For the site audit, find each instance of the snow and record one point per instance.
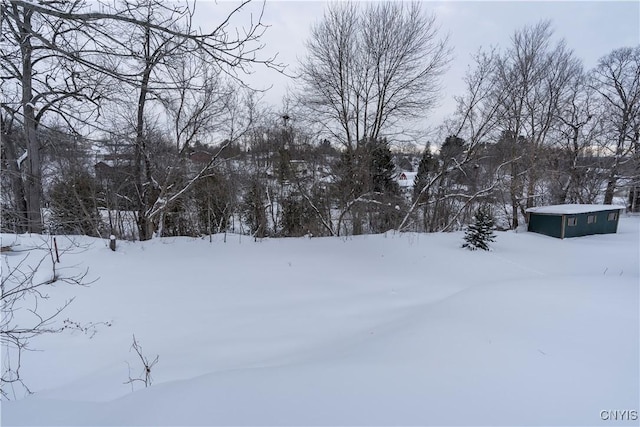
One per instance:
(391, 329)
(573, 209)
(22, 158)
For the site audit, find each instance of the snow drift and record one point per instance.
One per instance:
(390, 329)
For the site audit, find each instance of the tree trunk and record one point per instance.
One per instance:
(611, 186)
(613, 173)
(16, 184)
(145, 229)
(515, 192)
(33, 183)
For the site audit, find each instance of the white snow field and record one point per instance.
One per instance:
(388, 329)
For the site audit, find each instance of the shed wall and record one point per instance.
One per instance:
(602, 225)
(551, 225)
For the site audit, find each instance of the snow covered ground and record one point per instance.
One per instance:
(375, 330)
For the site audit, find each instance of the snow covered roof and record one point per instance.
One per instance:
(573, 209)
(406, 179)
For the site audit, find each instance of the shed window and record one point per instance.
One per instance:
(612, 216)
(572, 222)
(591, 219)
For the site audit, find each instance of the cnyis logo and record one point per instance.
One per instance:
(618, 415)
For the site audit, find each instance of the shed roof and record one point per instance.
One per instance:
(573, 209)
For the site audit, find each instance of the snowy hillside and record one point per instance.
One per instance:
(374, 330)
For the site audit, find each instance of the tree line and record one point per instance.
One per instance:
(123, 118)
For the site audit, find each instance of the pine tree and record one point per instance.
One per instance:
(381, 167)
(426, 169)
(452, 148)
(479, 234)
(253, 208)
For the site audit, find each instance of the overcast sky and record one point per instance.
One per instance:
(591, 29)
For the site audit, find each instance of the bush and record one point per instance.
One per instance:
(73, 206)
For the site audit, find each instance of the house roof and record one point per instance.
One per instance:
(406, 179)
(573, 209)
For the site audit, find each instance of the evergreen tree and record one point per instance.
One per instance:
(479, 234)
(253, 208)
(452, 148)
(426, 169)
(385, 216)
(368, 171)
(381, 168)
(293, 216)
(215, 201)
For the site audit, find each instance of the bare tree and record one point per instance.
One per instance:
(617, 80)
(474, 125)
(369, 68)
(40, 76)
(162, 37)
(24, 288)
(368, 72)
(155, 31)
(537, 77)
(574, 165)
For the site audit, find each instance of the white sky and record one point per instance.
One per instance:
(591, 29)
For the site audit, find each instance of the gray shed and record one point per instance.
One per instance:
(574, 220)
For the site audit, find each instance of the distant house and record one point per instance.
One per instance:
(574, 220)
(200, 157)
(406, 180)
(111, 170)
(300, 167)
(103, 170)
